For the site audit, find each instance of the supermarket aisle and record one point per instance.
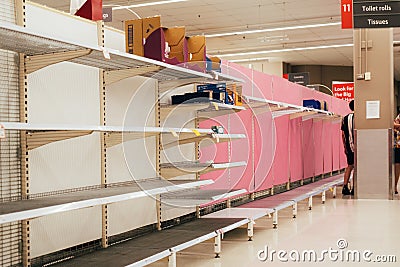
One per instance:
(369, 228)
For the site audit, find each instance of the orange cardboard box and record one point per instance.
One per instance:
(175, 37)
(235, 91)
(197, 48)
(150, 25)
(197, 52)
(137, 31)
(134, 37)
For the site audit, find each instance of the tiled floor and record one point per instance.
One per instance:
(363, 224)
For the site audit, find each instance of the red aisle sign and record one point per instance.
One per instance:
(347, 14)
(343, 90)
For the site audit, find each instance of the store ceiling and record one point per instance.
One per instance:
(224, 16)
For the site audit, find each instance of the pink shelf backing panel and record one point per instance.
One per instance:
(296, 150)
(308, 149)
(307, 93)
(280, 165)
(327, 145)
(324, 97)
(336, 144)
(337, 106)
(240, 72)
(285, 91)
(319, 151)
(216, 153)
(262, 85)
(342, 155)
(241, 150)
(264, 150)
(257, 84)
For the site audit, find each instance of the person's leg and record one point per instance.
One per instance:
(352, 186)
(347, 173)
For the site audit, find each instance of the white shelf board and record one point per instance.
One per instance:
(44, 50)
(261, 105)
(170, 170)
(203, 109)
(182, 139)
(249, 213)
(199, 197)
(209, 236)
(42, 134)
(33, 208)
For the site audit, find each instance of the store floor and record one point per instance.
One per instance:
(370, 228)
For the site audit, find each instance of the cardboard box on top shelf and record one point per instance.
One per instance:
(213, 64)
(137, 31)
(134, 37)
(154, 45)
(151, 40)
(197, 51)
(150, 25)
(176, 39)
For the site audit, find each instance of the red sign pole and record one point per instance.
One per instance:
(347, 14)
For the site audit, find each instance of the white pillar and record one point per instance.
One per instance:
(172, 259)
(295, 210)
(250, 230)
(275, 219)
(217, 245)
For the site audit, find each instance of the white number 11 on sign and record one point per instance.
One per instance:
(347, 8)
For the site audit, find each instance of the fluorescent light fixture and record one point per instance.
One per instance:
(284, 50)
(274, 29)
(149, 4)
(249, 60)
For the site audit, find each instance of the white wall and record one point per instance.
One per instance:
(269, 67)
(59, 231)
(180, 153)
(128, 215)
(61, 25)
(114, 39)
(131, 102)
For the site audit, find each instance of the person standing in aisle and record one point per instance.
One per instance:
(396, 131)
(348, 142)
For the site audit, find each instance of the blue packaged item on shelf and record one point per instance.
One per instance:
(213, 64)
(311, 103)
(217, 90)
(324, 106)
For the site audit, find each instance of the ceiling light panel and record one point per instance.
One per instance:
(146, 4)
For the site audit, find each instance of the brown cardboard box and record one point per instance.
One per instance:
(137, 31)
(235, 91)
(150, 25)
(177, 43)
(134, 37)
(213, 63)
(197, 48)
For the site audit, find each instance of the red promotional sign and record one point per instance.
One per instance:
(347, 14)
(343, 90)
